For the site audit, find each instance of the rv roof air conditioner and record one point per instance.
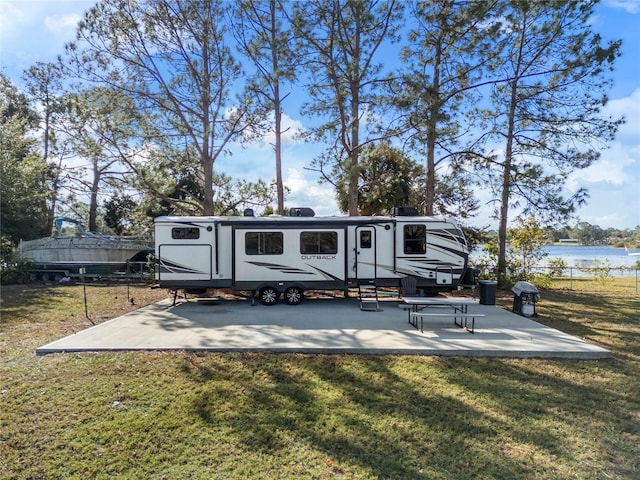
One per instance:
(404, 212)
(302, 212)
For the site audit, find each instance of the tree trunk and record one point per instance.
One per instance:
(55, 187)
(434, 112)
(93, 202)
(354, 171)
(278, 151)
(508, 162)
(504, 211)
(429, 197)
(506, 184)
(207, 204)
(277, 105)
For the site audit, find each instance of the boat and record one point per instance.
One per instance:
(73, 251)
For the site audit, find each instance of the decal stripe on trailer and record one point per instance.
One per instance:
(279, 268)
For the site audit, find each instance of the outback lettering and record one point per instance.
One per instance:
(318, 257)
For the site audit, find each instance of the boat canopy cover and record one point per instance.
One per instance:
(60, 220)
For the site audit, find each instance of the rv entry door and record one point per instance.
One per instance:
(365, 253)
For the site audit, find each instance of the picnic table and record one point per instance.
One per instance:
(458, 309)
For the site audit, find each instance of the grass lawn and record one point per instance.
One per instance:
(180, 415)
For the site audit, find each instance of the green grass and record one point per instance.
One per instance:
(179, 415)
(621, 285)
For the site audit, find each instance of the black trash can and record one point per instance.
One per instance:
(525, 297)
(488, 290)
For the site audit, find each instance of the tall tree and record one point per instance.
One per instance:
(99, 127)
(118, 211)
(172, 58)
(387, 179)
(342, 39)
(547, 109)
(527, 240)
(447, 57)
(44, 86)
(265, 36)
(22, 171)
(170, 184)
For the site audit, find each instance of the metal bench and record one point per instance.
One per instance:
(464, 319)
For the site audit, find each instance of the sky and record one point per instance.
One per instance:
(36, 31)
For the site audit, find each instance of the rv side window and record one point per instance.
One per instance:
(415, 239)
(318, 242)
(185, 233)
(263, 243)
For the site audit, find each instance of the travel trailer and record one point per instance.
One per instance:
(284, 256)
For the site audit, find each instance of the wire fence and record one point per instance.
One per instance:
(598, 278)
(587, 279)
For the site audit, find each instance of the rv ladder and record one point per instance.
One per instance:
(368, 294)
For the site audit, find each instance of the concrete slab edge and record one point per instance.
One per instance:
(567, 355)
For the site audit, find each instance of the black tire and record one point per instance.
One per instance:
(293, 295)
(268, 296)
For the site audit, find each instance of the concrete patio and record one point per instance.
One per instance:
(323, 325)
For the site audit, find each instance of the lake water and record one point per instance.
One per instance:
(584, 256)
(578, 256)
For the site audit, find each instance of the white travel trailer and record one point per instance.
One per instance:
(288, 255)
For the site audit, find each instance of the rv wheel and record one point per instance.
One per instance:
(293, 295)
(268, 296)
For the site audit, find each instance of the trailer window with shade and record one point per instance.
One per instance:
(415, 239)
(263, 243)
(185, 233)
(318, 242)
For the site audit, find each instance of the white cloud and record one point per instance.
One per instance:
(61, 23)
(630, 6)
(12, 17)
(615, 167)
(36, 31)
(613, 186)
(614, 181)
(309, 193)
(629, 108)
(292, 129)
(617, 207)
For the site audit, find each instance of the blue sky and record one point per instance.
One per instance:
(36, 30)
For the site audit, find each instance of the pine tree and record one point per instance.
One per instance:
(546, 102)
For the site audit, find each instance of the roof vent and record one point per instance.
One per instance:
(404, 212)
(302, 212)
(248, 212)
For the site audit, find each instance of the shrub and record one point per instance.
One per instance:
(556, 267)
(17, 272)
(602, 270)
(541, 280)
